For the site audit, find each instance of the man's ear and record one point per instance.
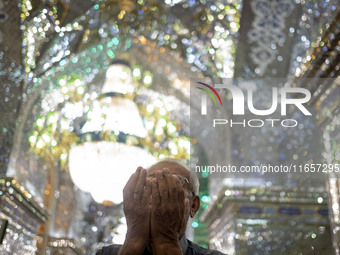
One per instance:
(195, 205)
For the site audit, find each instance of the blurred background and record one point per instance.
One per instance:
(91, 89)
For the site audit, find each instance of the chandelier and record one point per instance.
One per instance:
(103, 167)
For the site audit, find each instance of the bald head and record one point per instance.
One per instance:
(176, 168)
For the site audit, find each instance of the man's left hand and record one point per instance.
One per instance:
(169, 213)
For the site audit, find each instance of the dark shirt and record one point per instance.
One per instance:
(188, 248)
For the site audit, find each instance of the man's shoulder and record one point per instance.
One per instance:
(109, 250)
(198, 250)
(193, 249)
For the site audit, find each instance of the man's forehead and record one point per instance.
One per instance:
(174, 168)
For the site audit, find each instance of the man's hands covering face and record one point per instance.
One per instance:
(156, 210)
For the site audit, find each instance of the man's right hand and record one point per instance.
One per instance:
(136, 196)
